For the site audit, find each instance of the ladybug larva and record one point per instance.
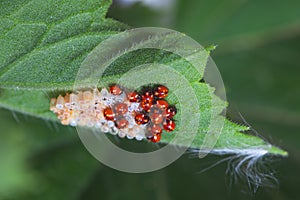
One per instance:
(134, 114)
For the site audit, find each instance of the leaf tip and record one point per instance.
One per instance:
(211, 48)
(277, 151)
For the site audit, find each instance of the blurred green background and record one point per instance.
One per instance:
(258, 56)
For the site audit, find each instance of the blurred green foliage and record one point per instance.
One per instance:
(258, 52)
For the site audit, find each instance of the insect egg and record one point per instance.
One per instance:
(73, 99)
(53, 104)
(60, 102)
(87, 96)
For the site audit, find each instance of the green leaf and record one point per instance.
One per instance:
(42, 51)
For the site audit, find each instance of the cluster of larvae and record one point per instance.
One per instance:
(119, 111)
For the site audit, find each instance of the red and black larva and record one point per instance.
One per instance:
(134, 114)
